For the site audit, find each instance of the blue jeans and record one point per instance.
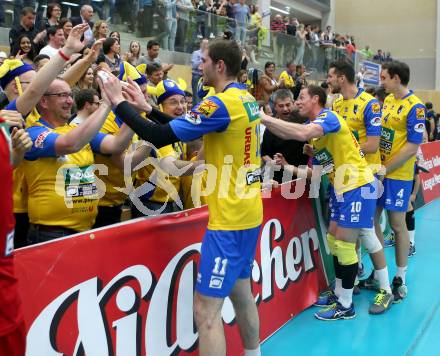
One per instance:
(170, 37)
(240, 34)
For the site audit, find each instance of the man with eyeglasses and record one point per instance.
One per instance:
(59, 168)
(87, 102)
(24, 88)
(162, 178)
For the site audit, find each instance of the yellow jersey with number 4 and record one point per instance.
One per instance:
(403, 120)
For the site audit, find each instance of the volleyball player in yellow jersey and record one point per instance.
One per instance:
(362, 114)
(403, 125)
(337, 151)
(229, 123)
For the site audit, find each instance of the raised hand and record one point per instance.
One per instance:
(280, 160)
(134, 95)
(73, 42)
(112, 88)
(93, 54)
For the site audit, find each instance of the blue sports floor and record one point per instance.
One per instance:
(409, 328)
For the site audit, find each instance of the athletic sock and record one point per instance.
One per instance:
(338, 286)
(411, 237)
(382, 276)
(346, 297)
(401, 272)
(255, 352)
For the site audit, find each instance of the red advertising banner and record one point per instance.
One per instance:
(128, 289)
(429, 158)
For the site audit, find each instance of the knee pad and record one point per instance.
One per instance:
(331, 243)
(410, 221)
(346, 253)
(370, 240)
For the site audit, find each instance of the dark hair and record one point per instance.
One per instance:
(268, 64)
(188, 94)
(84, 96)
(227, 35)
(345, 69)
(63, 21)
(119, 35)
(381, 94)
(52, 30)
(39, 58)
(315, 90)
(152, 43)
(428, 105)
(27, 10)
(16, 47)
(227, 51)
(108, 43)
(50, 8)
(324, 85)
(289, 63)
(152, 67)
(371, 91)
(397, 68)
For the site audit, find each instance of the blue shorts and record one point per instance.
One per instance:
(225, 257)
(396, 194)
(355, 209)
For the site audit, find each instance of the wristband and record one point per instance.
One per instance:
(63, 56)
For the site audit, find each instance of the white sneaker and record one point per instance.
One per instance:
(211, 35)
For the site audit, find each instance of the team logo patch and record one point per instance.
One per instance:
(420, 113)
(207, 108)
(420, 127)
(375, 108)
(322, 116)
(193, 118)
(376, 121)
(39, 142)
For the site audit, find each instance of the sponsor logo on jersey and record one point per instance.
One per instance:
(420, 127)
(39, 142)
(354, 218)
(322, 116)
(375, 108)
(355, 108)
(376, 121)
(399, 110)
(193, 118)
(207, 108)
(420, 113)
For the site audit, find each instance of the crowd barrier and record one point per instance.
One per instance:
(128, 289)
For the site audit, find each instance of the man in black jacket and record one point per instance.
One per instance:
(292, 150)
(86, 14)
(26, 27)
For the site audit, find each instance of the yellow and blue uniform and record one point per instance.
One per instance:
(289, 80)
(363, 116)
(62, 189)
(229, 123)
(403, 120)
(339, 153)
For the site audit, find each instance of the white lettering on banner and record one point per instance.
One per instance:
(166, 332)
(286, 268)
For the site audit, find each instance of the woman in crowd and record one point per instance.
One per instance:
(23, 49)
(301, 44)
(110, 54)
(133, 54)
(117, 35)
(267, 83)
(67, 26)
(100, 30)
(53, 15)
